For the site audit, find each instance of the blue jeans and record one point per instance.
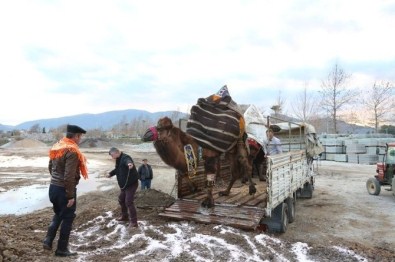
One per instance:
(64, 215)
(145, 184)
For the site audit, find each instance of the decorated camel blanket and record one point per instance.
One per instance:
(216, 122)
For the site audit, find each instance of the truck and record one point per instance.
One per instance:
(385, 172)
(288, 176)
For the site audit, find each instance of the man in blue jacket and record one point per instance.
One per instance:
(127, 178)
(145, 175)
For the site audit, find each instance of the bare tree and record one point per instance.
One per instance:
(335, 94)
(279, 105)
(175, 116)
(379, 102)
(35, 129)
(353, 117)
(305, 106)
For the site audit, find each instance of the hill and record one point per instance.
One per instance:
(103, 121)
(6, 128)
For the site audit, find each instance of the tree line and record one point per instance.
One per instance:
(336, 100)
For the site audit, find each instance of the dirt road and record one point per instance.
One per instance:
(342, 222)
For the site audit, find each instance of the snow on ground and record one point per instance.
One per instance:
(174, 240)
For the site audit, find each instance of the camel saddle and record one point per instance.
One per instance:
(216, 123)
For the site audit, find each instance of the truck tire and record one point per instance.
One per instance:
(280, 215)
(284, 218)
(306, 191)
(373, 186)
(290, 201)
(393, 186)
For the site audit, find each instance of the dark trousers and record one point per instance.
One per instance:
(64, 216)
(126, 200)
(145, 184)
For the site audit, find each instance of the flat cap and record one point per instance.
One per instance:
(75, 129)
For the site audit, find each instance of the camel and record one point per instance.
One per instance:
(169, 142)
(256, 157)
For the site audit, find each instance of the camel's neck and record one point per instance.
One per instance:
(171, 149)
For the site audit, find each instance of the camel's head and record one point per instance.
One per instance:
(160, 131)
(151, 134)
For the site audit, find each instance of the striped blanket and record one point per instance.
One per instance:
(216, 124)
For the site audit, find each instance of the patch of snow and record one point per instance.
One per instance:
(301, 250)
(350, 253)
(172, 241)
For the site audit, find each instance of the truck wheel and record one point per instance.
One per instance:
(373, 186)
(284, 218)
(310, 190)
(280, 216)
(307, 190)
(290, 201)
(393, 186)
(278, 221)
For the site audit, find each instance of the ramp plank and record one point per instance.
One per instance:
(231, 215)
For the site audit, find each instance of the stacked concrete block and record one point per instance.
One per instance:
(353, 158)
(340, 158)
(360, 148)
(323, 156)
(371, 145)
(332, 147)
(330, 157)
(368, 159)
(356, 149)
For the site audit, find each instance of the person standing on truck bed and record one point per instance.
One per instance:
(273, 143)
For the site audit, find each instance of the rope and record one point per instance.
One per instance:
(127, 179)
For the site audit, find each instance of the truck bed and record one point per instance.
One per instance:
(239, 209)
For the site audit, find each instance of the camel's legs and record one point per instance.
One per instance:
(245, 165)
(210, 167)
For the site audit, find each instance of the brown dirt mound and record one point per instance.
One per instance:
(95, 142)
(25, 143)
(153, 198)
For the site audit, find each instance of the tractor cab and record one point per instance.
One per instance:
(385, 172)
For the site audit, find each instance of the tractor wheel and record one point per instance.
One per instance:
(290, 201)
(373, 186)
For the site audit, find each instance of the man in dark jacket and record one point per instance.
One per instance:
(66, 164)
(145, 175)
(127, 178)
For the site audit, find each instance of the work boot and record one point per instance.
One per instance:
(122, 218)
(51, 234)
(63, 250)
(133, 225)
(47, 243)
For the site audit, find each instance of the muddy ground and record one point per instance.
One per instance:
(342, 222)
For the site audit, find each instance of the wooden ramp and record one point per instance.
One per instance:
(245, 217)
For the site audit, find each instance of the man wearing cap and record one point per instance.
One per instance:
(127, 178)
(66, 165)
(145, 175)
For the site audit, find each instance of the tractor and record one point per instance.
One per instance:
(385, 172)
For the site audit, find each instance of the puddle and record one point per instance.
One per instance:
(18, 161)
(34, 197)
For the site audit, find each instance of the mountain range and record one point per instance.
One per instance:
(107, 120)
(103, 121)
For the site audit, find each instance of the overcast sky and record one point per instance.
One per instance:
(61, 58)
